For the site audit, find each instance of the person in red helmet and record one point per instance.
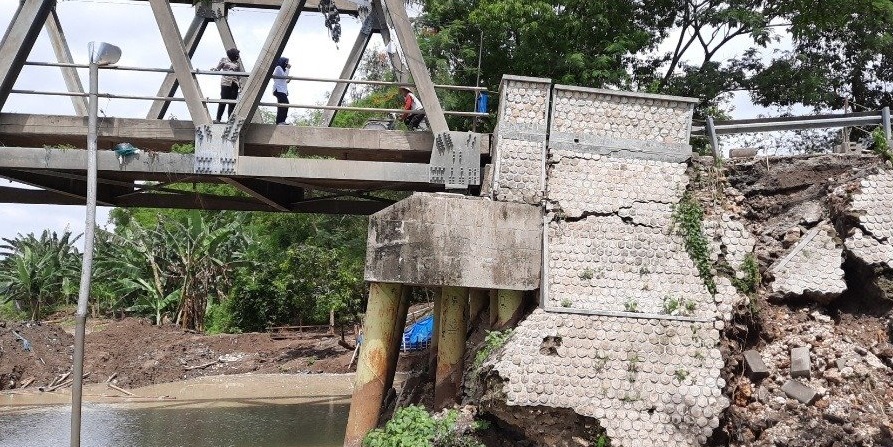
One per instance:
(411, 103)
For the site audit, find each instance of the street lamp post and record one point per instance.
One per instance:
(100, 54)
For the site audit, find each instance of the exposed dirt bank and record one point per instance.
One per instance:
(140, 354)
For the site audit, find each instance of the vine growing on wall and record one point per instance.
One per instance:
(688, 220)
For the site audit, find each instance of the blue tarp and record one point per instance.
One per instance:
(418, 336)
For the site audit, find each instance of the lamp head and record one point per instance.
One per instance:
(102, 53)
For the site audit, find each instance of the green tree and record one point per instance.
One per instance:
(37, 273)
(842, 49)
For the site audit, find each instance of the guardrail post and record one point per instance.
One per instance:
(885, 118)
(714, 141)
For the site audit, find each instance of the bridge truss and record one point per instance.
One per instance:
(341, 170)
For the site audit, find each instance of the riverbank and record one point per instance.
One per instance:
(229, 391)
(134, 354)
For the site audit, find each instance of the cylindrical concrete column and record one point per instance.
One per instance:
(399, 326)
(478, 300)
(372, 366)
(510, 308)
(451, 348)
(432, 350)
(494, 308)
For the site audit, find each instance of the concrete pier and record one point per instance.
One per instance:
(372, 367)
(451, 348)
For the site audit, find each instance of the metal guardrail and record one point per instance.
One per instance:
(712, 129)
(246, 74)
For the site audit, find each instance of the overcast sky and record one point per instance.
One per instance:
(131, 26)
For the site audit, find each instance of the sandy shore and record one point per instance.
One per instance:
(217, 391)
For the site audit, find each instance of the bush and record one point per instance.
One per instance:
(413, 426)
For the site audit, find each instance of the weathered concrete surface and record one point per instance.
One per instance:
(453, 240)
(521, 139)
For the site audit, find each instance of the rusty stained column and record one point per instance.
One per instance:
(511, 304)
(451, 348)
(372, 367)
(432, 351)
(478, 300)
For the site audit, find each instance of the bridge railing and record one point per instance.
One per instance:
(712, 129)
(246, 74)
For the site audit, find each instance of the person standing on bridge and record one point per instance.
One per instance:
(229, 84)
(280, 88)
(411, 104)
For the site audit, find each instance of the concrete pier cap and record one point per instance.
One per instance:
(440, 239)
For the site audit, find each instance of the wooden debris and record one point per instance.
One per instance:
(119, 389)
(202, 366)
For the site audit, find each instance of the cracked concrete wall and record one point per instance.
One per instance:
(519, 174)
(648, 382)
(454, 240)
(611, 245)
(637, 329)
(607, 122)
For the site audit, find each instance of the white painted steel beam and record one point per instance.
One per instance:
(425, 88)
(19, 40)
(63, 55)
(170, 84)
(350, 68)
(173, 42)
(272, 49)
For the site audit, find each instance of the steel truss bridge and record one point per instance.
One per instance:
(340, 172)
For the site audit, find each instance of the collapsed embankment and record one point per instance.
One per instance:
(804, 242)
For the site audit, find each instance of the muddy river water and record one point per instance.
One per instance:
(244, 410)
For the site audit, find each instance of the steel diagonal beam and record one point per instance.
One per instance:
(170, 33)
(396, 62)
(19, 40)
(226, 34)
(424, 86)
(275, 195)
(350, 68)
(263, 67)
(63, 55)
(170, 84)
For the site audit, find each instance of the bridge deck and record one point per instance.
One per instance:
(259, 139)
(339, 169)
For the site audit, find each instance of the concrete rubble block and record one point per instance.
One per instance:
(871, 240)
(453, 240)
(800, 362)
(800, 392)
(812, 267)
(756, 368)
